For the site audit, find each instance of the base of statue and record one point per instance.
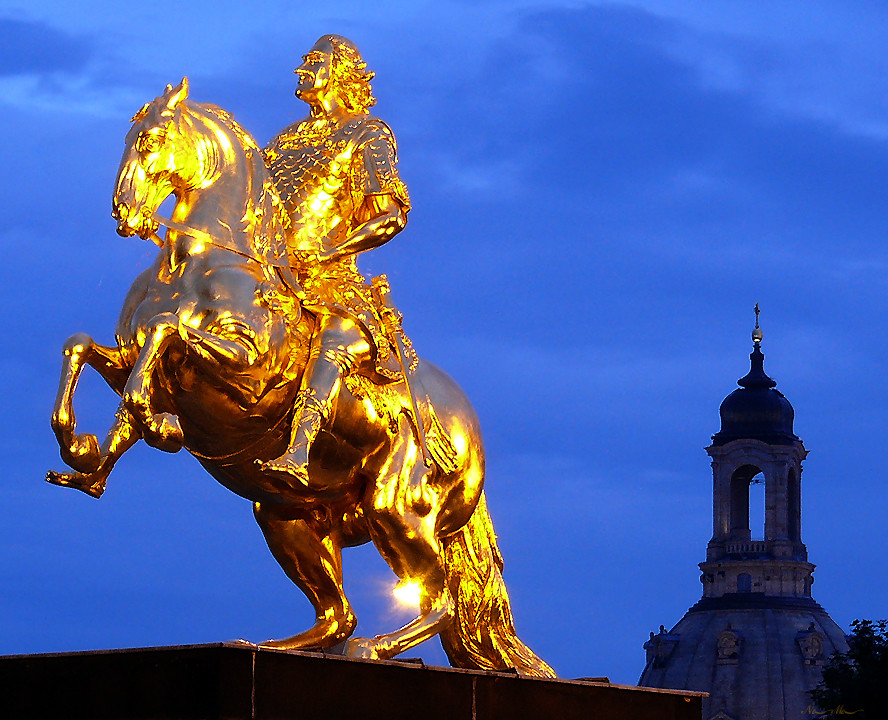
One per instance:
(233, 681)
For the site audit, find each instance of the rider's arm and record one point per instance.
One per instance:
(386, 219)
(383, 214)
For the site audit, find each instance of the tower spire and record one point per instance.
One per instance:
(756, 377)
(756, 641)
(757, 331)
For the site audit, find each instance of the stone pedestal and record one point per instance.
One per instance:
(231, 681)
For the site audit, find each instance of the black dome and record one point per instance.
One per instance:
(756, 410)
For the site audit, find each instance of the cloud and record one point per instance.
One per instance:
(811, 60)
(67, 94)
(50, 72)
(30, 48)
(596, 106)
(629, 174)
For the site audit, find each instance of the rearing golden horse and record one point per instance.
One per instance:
(211, 345)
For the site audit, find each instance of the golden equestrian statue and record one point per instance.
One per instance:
(254, 342)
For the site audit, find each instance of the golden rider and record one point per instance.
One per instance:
(336, 172)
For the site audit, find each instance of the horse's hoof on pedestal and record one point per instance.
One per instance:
(361, 648)
(291, 643)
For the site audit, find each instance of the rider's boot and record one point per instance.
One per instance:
(311, 414)
(338, 348)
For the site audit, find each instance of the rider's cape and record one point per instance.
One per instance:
(323, 172)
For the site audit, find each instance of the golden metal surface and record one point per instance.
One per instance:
(254, 342)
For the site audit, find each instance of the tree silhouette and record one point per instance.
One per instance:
(855, 684)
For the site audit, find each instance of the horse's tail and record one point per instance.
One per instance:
(482, 632)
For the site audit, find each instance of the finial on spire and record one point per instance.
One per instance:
(757, 331)
(756, 378)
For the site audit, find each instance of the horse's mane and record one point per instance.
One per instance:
(263, 203)
(246, 140)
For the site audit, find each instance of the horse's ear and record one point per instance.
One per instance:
(143, 111)
(177, 94)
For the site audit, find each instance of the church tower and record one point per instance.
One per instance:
(756, 640)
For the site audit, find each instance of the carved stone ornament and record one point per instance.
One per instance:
(728, 647)
(659, 648)
(810, 644)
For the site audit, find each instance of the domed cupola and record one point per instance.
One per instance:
(756, 641)
(756, 409)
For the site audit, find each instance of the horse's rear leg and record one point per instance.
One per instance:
(405, 535)
(121, 437)
(81, 452)
(311, 558)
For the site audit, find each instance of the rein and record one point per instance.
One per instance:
(284, 271)
(251, 449)
(205, 237)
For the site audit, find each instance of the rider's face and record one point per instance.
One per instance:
(314, 72)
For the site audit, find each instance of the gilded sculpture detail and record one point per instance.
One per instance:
(254, 342)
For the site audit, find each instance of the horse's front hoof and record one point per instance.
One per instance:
(166, 433)
(361, 648)
(78, 481)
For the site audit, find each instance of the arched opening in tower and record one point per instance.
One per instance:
(793, 507)
(747, 503)
(757, 507)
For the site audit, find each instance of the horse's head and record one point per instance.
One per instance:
(165, 153)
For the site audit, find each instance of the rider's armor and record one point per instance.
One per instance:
(324, 171)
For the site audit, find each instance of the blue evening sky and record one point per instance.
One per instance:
(602, 191)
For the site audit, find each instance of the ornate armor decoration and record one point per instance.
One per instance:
(324, 172)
